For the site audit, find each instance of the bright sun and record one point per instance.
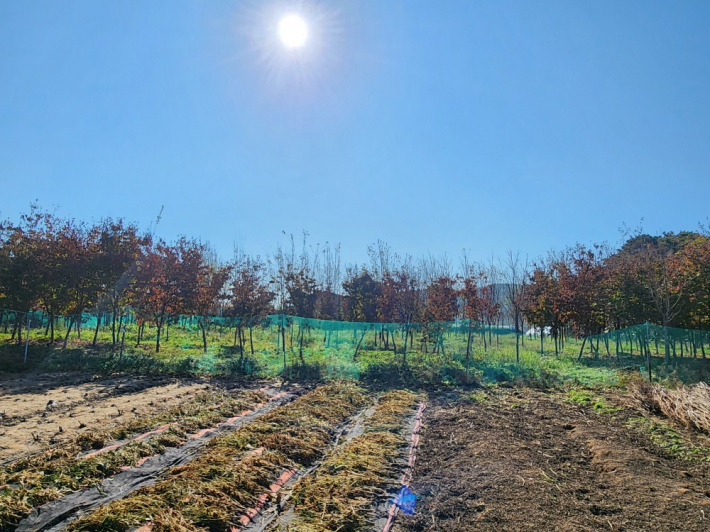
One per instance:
(293, 31)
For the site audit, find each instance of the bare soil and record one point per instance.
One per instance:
(44, 410)
(527, 460)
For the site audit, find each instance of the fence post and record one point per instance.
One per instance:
(648, 351)
(283, 339)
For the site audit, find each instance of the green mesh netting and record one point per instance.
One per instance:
(289, 345)
(271, 345)
(649, 339)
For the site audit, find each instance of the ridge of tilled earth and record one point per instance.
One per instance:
(263, 518)
(351, 478)
(525, 460)
(53, 515)
(230, 476)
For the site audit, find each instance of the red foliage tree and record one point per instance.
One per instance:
(441, 306)
(250, 298)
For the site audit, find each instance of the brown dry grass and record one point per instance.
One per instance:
(341, 493)
(50, 475)
(687, 405)
(216, 488)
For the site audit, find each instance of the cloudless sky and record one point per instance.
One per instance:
(432, 125)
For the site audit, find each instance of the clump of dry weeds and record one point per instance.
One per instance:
(687, 405)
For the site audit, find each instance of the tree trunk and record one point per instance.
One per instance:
(283, 338)
(359, 344)
(123, 340)
(702, 346)
(668, 349)
(28, 328)
(404, 350)
(96, 331)
(120, 325)
(251, 340)
(114, 312)
(694, 344)
(66, 336)
(517, 348)
(204, 335)
(241, 342)
(158, 327)
(300, 344)
(581, 349)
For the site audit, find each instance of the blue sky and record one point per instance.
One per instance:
(434, 126)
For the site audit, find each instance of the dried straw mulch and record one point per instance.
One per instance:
(687, 405)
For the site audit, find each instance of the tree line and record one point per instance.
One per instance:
(66, 267)
(663, 280)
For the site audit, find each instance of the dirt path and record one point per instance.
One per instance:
(47, 410)
(524, 460)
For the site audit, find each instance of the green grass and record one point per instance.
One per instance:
(478, 397)
(669, 439)
(586, 397)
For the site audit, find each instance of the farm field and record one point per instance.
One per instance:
(169, 416)
(53, 408)
(522, 459)
(325, 457)
(230, 450)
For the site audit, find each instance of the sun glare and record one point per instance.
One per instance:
(293, 31)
